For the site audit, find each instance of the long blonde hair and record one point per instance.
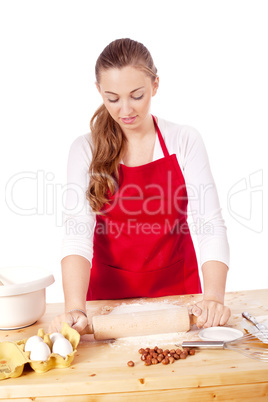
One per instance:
(108, 139)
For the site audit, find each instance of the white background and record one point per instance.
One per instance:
(212, 61)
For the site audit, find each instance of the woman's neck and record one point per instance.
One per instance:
(142, 132)
(140, 146)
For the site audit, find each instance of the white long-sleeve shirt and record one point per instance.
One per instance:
(204, 207)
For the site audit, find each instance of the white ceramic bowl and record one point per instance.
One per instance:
(220, 334)
(22, 295)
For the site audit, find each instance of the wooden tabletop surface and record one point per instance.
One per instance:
(99, 371)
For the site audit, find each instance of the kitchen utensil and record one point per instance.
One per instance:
(260, 327)
(113, 326)
(23, 296)
(248, 345)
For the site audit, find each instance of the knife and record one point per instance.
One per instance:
(261, 327)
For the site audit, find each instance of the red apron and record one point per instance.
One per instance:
(142, 246)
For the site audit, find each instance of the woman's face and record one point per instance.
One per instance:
(127, 94)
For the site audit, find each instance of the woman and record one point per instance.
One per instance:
(130, 176)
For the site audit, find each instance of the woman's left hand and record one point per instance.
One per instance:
(211, 313)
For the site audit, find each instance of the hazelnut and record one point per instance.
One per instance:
(171, 359)
(131, 363)
(192, 352)
(144, 357)
(165, 361)
(183, 355)
(176, 356)
(160, 357)
(154, 361)
(148, 362)
(141, 351)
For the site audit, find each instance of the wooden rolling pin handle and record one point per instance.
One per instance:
(88, 330)
(193, 319)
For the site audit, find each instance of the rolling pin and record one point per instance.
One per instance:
(150, 322)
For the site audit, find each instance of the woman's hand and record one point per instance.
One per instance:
(211, 313)
(75, 319)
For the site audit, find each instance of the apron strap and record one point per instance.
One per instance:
(162, 142)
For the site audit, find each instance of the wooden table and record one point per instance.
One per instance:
(99, 371)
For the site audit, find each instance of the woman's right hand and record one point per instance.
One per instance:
(75, 319)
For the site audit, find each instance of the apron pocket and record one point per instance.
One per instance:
(109, 282)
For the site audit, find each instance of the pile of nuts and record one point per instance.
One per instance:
(158, 355)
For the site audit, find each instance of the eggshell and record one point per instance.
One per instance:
(54, 360)
(40, 351)
(56, 335)
(31, 342)
(62, 347)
